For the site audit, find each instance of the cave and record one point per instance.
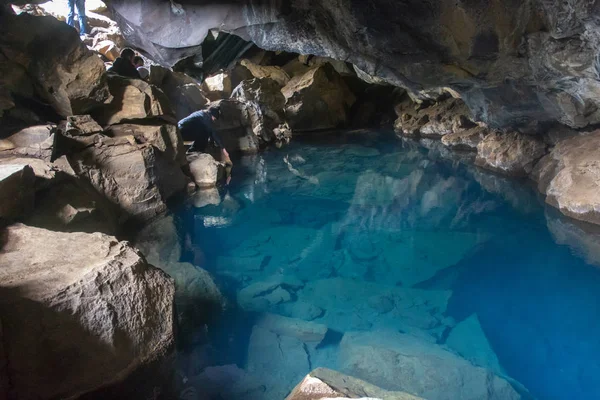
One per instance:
(303, 199)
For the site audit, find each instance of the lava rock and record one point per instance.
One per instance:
(510, 153)
(102, 308)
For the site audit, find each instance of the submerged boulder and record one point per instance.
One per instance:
(45, 61)
(319, 99)
(73, 302)
(397, 361)
(569, 177)
(509, 153)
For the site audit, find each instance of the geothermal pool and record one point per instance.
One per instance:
(407, 263)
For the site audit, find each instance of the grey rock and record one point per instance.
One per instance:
(236, 126)
(17, 190)
(95, 299)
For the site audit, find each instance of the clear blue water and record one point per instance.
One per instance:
(370, 234)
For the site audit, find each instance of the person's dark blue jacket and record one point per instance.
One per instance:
(198, 127)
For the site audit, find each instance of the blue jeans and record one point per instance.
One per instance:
(80, 4)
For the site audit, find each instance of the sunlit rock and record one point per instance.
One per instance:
(17, 191)
(324, 383)
(509, 153)
(205, 171)
(34, 141)
(568, 176)
(218, 86)
(402, 362)
(103, 308)
(319, 99)
(272, 72)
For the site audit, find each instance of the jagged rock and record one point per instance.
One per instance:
(184, 93)
(95, 299)
(205, 171)
(82, 124)
(568, 176)
(271, 72)
(108, 49)
(279, 361)
(442, 118)
(467, 139)
(319, 99)
(236, 124)
(324, 383)
(17, 191)
(217, 87)
(135, 177)
(509, 153)
(292, 327)
(134, 99)
(468, 339)
(69, 77)
(267, 115)
(35, 141)
(164, 138)
(402, 362)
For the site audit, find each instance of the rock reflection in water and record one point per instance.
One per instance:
(375, 257)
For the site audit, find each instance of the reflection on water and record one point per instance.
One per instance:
(395, 263)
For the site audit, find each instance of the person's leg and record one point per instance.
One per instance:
(81, 15)
(71, 15)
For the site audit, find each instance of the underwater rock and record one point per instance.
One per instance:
(69, 78)
(17, 190)
(267, 116)
(95, 299)
(569, 177)
(279, 361)
(262, 295)
(324, 383)
(133, 99)
(402, 362)
(509, 153)
(302, 310)
(582, 238)
(468, 339)
(206, 197)
(319, 99)
(205, 171)
(302, 330)
(135, 177)
(227, 382)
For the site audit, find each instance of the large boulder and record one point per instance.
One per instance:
(74, 302)
(136, 177)
(205, 170)
(323, 383)
(44, 61)
(569, 177)
(509, 153)
(184, 93)
(17, 191)
(268, 115)
(35, 141)
(218, 87)
(319, 99)
(403, 362)
(134, 100)
(236, 127)
(271, 72)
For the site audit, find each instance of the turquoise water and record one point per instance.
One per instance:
(398, 255)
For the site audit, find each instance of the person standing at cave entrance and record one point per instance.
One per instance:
(124, 66)
(198, 126)
(80, 4)
(138, 63)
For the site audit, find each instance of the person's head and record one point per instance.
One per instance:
(215, 112)
(128, 54)
(138, 61)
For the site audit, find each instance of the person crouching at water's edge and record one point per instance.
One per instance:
(198, 127)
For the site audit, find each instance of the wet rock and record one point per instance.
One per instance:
(17, 191)
(467, 139)
(319, 99)
(403, 362)
(468, 339)
(227, 382)
(302, 310)
(34, 141)
(262, 295)
(103, 308)
(236, 126)
(583, 239)
(205, 171)
(568, 176)
(271, 72)
(135, 177)
(206, 197)
(302, 330)
(134, 99)
(69, 78)
(381, 304)
(165, 138)
(267, 111)
(324, 383)
(280, 361)
(510, 153)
